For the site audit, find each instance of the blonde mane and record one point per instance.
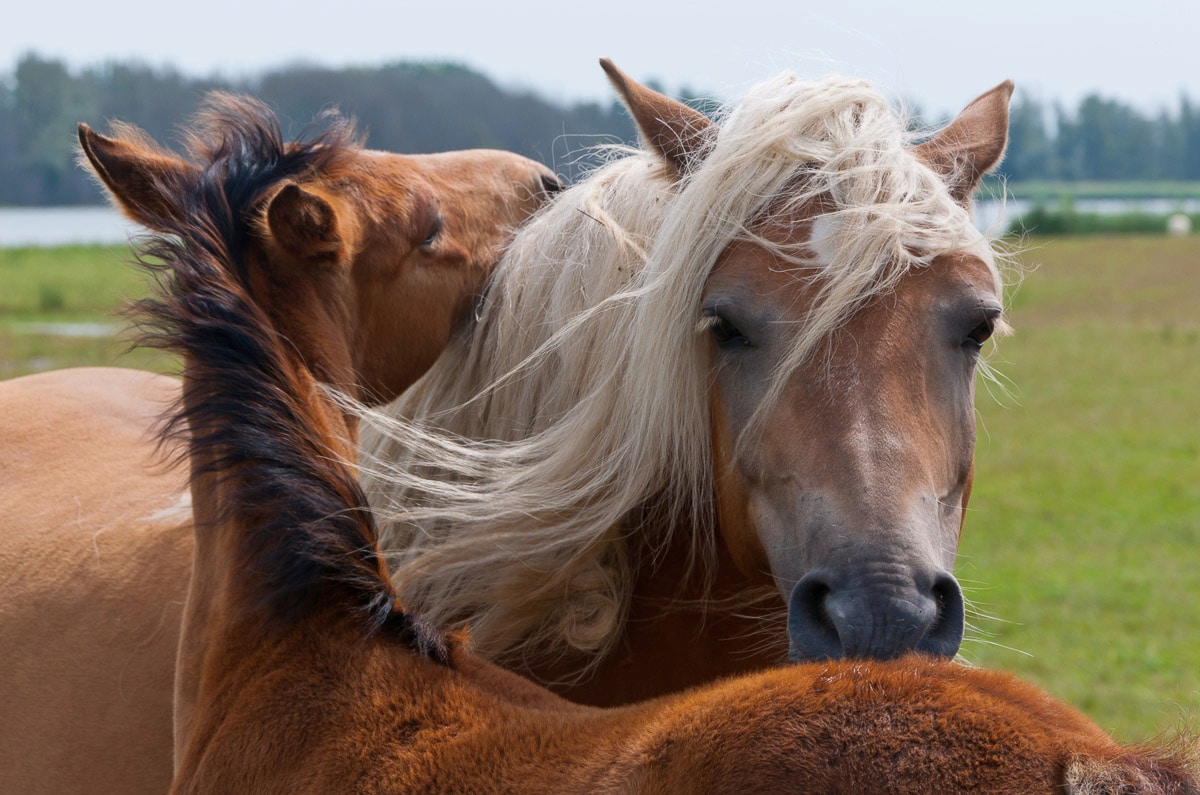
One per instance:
(512, 480)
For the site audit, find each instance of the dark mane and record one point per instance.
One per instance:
(238, 144)
(248, 414)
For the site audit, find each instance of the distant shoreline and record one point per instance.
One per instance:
(98, 224)
(22, 227)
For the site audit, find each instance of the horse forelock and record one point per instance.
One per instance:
(239, 147)
(580, 393)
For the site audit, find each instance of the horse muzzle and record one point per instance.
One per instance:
(832, 617)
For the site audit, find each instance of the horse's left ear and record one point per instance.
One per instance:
(678, 133)
(306, 225)
(143, 179)
(973, 144)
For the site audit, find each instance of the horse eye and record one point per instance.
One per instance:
(725, 333)
(979, 335)
(434, 231)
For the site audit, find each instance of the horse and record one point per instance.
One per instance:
(96, 549)
(715, 409)
(309, 675)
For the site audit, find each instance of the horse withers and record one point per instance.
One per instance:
(309, 675)
(96, 544)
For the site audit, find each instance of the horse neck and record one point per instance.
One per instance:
(218, 621)
(306, 305)
(314, 325)
(693, 618)
(307, 332)
(678, 577)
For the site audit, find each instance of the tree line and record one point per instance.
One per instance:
(404, 107)
(1102, 139)
(429, 107)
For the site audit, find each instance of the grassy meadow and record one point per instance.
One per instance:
(1081, 556)
(1083, 540)
(55, 304)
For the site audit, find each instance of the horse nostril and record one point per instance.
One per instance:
(944, 636)
(812, 632)
(830, 619)
(552, 184)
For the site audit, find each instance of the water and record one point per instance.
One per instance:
(60, 226)
(79, 330)
(995, 216)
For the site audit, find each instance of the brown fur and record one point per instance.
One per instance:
(325, 698)
(93, 581)
(369, 718)
(93, 586)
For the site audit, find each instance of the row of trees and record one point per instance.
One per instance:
(405, 107)
(434, 107)
(1102, 139)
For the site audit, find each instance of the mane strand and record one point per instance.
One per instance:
(251, 414)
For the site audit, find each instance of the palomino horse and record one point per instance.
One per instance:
(310, 677)
(93, 578)
(739, 361)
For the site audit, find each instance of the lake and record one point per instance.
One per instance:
(994, 216)
(59, 226)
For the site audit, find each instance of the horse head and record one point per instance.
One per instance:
(844, 346)
(342, 236)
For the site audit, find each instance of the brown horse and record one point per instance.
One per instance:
(740, 362)
(309, 676)
(96, 551)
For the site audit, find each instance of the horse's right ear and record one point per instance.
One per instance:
(307, 225)
(141, 178)
(973, 144)
(678, 133)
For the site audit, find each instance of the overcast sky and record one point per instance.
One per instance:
(938, 53)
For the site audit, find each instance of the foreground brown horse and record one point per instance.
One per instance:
(94, 560)
(309, 676)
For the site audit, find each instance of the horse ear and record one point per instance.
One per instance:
(141, 178)
(305, 225)
(678, 133)
(973, 144)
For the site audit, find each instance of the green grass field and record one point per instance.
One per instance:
(1083, 541)
(53, 289)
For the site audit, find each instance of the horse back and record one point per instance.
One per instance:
(92, 582)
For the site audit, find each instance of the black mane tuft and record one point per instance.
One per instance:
(247, 415)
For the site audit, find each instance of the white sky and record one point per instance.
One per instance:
(935, 52)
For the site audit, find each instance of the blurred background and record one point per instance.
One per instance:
(1082, 549)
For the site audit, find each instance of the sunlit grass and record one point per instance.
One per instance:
(41, 288)
(1084, 533)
